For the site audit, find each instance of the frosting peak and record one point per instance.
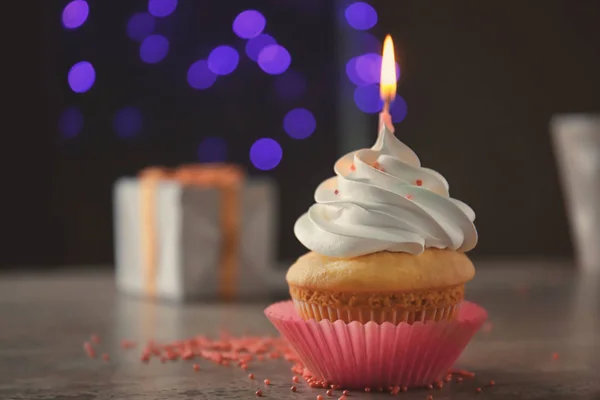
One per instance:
(381, 199)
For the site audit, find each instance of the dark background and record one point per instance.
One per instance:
(481, 80)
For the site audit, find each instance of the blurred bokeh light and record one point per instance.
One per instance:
(128, 122)
(255, 45)
(81, 77)
(398, 109)
(367, 99)
(223, 60)
(249, 24)
(299, 123)
(70, 122)
(266, 154)
(161, 8)
(274, 59)
(361, 16)
(75, 14)
(199, 76)
(154, 49)
(140, 25)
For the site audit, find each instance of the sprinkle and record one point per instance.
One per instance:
(293, 388)
(259, 393)
(448, 378)
(419, 182)
(555, 356)
(95, 338)
(342, 397)
(368, 389)
(329, 392)
(295, 379)
(196, 367)
(492, 383)
(87, 346)
(336, 387)
(352, 167)
(409, 197)
(429, 386)
(439, 384)
(430, 397)
(244, 366)
(105, 357)
(324, 385)
(127, 344)
(478, 390)
(404, 389)
(319, 397)
(267, 382)
(378, 166)
(462, 372)
(314, 385)
(250, 376)
(345, 393)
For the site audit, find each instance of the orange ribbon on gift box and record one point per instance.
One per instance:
(228, 180)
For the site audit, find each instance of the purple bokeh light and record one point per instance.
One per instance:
(161, 8)
(255, 45)
(75, 14)
(154, 49)
(352, 72)
(212, 150)
(366, 69)
(70, 122)
(249, 24)
(140, 26)
(128, 122)
(367, 99)
(223, 60)
(274, 59)
(299, 123)
(398, 109)
(265, 154)
(368, 43)
(361, 16)
(290, 85)
(81, 77)
(199, 76)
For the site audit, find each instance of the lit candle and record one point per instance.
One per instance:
(388, 81)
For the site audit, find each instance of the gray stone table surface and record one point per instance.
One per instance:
(536, 309)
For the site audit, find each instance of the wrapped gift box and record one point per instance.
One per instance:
(196, 232)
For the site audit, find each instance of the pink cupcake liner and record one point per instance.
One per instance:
(375, 355)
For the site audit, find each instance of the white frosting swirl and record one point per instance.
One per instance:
(383, 200)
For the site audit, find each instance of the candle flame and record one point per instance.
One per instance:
(388, 71)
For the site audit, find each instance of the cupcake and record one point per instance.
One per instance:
(387, 242)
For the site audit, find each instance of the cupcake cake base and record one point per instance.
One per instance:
(355, 356)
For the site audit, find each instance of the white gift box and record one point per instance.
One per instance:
(188, 240)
